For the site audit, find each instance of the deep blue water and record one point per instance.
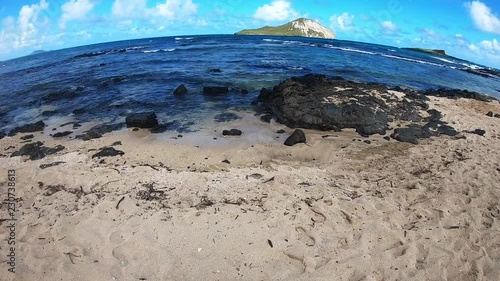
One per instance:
(139, 75)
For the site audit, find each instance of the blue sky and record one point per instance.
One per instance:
(464, 28)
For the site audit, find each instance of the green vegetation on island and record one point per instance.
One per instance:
(428, 51)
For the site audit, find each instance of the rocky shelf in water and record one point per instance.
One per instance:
(322, 103)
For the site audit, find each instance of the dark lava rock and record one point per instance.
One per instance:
(49, 113)
(479, 132)
(266, 118)
(297, 137)
(434, 115)
(142, 120)
(36, 150)
(367, 142)
(45, 166)
(108, 152)
(281, 131)
(61, 134)
(226, 161)
(300, 102)
(226, 117)
(99, 130)
(244, 91)
(117, 143)
(232, 132)
(181, 90)
(76, 125)
(489, 114)
(28, 128)
(456, 94)
(215, 70)
(79, 88)
(440, 128)
(387, 138)
(497, 115)
(411, 134)
(28, 137)
(215, 91)
(135, 129)
(2, 135)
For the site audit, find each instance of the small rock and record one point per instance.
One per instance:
(479, 132)
(142, 120)
(281, 131)
(387, 138)
(180, 136)
(117, 143)
(62, 134)
(28, 128)
(215, 91)
(232, 132)
(266, 118)
(36, 150)
(367, 142)
(135, 129)
(108, 152)
(244, 91)
(489, 114)
(181, 90)
(297, 137)
(497, 115)
(27, 137)
(226, 161)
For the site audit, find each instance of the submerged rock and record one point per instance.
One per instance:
(266, 118)
(181, 90)
(298, 136)
(232, 132)
(108, 152)
(28, 128)
(226, 117)
(215, 90)
(36, 150)
(144, 120)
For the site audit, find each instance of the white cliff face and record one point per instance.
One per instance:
(311, 28)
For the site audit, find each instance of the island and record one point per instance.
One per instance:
(428, 51)
(301, 27)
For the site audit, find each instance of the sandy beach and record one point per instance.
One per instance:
(250, 208)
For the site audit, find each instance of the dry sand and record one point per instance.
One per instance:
(331, 209)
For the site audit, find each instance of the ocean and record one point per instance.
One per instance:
(105, 82)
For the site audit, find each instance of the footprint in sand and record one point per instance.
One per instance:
(305, 236)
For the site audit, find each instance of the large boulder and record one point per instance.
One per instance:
(145, 120)
(317, 102)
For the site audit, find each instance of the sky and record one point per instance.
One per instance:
(465, 29)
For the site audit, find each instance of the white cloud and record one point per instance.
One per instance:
(388, 27)
(278, 10)
(75, 10)
(483, 17)
(176, 9)
(343, 22)
(129, 8)
(491, 46)
(25, 31)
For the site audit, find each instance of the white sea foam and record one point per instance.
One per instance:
(159, 51)
(445, 60)
(413, 60)
(184, 38)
